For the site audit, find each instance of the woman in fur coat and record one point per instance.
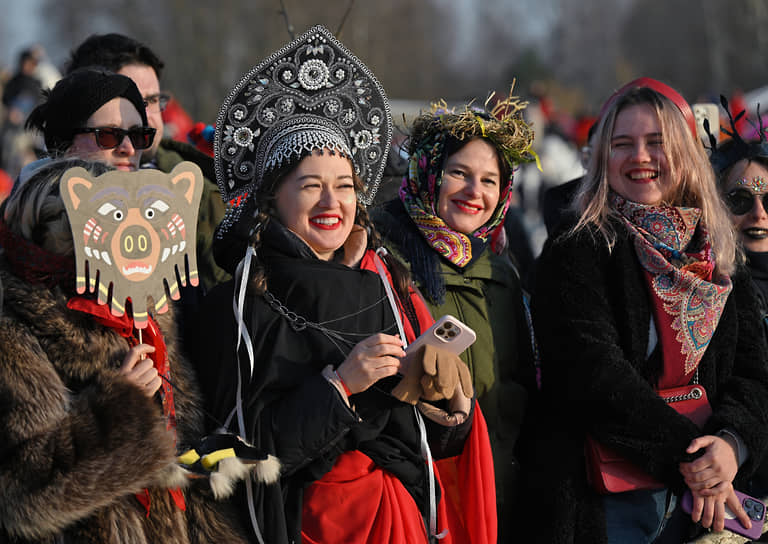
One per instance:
(643, 295)
(87, 452)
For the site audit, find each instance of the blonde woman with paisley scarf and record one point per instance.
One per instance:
(642, 295)
(447, 226)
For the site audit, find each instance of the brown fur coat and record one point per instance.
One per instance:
(77, 440)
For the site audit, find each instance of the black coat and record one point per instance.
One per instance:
(592, 313)
(757, 264)
(292, 411)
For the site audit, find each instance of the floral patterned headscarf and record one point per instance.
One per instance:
(504, 128)
(420, 192)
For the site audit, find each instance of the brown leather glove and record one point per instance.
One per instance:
(433, 374)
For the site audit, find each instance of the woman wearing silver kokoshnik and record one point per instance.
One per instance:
(309, 358)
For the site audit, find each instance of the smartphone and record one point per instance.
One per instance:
(754, 508)
(446, 333)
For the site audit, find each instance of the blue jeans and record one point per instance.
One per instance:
(637, 517)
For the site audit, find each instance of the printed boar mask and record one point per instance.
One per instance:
(135, 231)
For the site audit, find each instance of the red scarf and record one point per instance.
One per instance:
(368, 262)
(152, 336)
(34, 264)
(674, 250)
(357, 502)
(469, 487)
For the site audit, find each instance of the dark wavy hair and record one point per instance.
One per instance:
(265, 203)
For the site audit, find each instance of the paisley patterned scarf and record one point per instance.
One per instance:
(674, 250)
(419, 193)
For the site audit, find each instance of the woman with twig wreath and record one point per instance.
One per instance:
(448, 226)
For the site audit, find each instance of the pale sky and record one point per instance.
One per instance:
(20, 26)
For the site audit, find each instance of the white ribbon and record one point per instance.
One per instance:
(426, 454)
(242, 274)
(390, 294)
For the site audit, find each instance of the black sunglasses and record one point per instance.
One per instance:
(740, 201)
(111, 137)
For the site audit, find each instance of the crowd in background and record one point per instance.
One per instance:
(574, 254)
(561, 137)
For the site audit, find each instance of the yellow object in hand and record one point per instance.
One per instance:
(210, 460)
(189, 457)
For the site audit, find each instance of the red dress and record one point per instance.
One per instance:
(358, 502)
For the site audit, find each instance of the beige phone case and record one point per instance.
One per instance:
(446, 333)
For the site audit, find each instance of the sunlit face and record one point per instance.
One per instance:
(317, 202)
(638, 169)
(146, 81)
(470, 190)
(118, 112)
(749, 179)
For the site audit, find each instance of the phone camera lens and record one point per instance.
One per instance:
(448, 325)
(451, 334)
(440, 332)
(753, 509)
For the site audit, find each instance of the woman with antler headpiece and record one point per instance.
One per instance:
(654, 382)
(304, 368)
(447, 225)
(742, 169)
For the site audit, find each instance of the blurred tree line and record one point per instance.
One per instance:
(452, 49)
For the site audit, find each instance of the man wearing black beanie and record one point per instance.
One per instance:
(134, 59)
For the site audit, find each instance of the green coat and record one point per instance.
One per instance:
(169, 154)
(487, 296)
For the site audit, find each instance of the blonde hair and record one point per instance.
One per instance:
(36, 212)
(688, 165)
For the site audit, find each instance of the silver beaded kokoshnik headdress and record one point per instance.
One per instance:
(312, 94)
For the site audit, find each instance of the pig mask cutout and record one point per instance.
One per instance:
(135, 231)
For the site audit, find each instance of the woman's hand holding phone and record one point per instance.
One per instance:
(710, 480)
(710, 510)
(755, 509)
(372, 359)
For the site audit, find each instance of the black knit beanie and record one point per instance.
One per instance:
(74, 99)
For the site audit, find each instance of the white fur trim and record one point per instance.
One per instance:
(268, 471)
(231, 470)
(223, 480)
(173, 476)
